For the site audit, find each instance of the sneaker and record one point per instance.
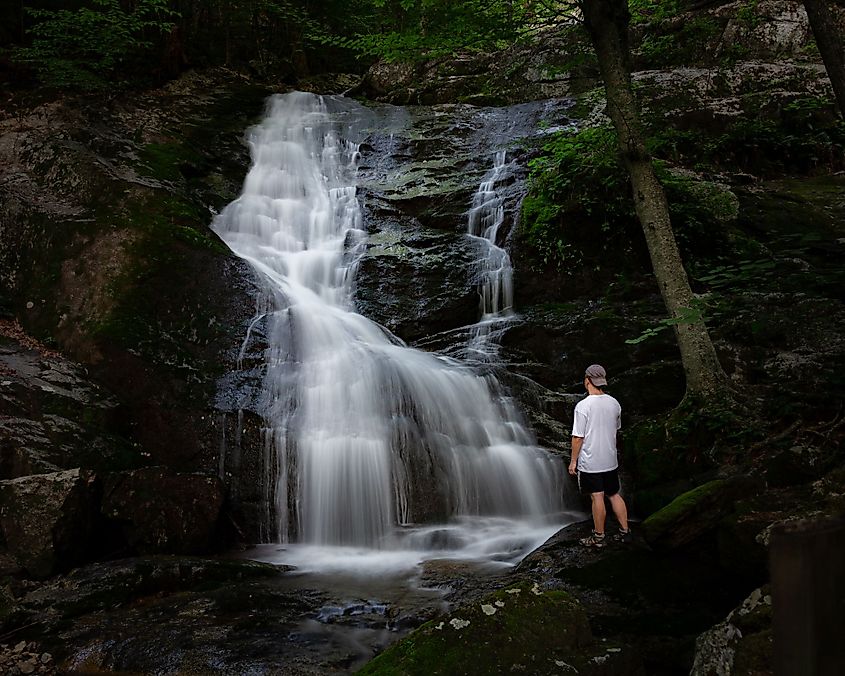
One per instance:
(595, 540)
(623, 536)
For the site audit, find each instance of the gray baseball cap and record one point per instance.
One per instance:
(596, 374)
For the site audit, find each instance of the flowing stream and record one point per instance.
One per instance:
(494, 269)
(377, 455)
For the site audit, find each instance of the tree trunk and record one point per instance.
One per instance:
(831, 45)
(607, 23)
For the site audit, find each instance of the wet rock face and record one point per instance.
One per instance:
(418, 171)
(418, 175)
(48, 520)
(414, 280)
(163, 513)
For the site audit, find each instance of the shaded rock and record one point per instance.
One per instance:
(461, 581)
(519, 628)
(742, 644)
(695, 513)
(48, 519)
(106, 253)
(767, 29)
(722, 32)
(55, 416)
(160, 512)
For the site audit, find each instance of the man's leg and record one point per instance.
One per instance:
(599, 512)
(619, 509)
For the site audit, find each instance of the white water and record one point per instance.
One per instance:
(493, 265)
(367, 439)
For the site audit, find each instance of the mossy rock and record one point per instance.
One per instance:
(695, 513)
(520, 628)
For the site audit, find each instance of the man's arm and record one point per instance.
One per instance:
(576, 449)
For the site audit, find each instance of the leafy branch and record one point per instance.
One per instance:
(687, 315)
(85, 48)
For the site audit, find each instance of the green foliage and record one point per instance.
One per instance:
(580, 176)
(645, 11)
(410, 30)
(807, 135)
(747, 14)
(679, 47)
(575, 171)
(807, 106)
(88, 48)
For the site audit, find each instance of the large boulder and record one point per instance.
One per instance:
(160, 512)
(48, 519)
(521, 628)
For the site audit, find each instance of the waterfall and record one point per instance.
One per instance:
(365, 438)
(493, 265)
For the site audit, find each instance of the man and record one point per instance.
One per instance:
(597, 420)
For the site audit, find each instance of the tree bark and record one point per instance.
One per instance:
(831, 46)
(607, 22)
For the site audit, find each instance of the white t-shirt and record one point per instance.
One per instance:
(597, 417)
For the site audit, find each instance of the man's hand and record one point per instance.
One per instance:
(576, 449)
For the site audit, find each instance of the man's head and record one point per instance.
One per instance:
(596, 376)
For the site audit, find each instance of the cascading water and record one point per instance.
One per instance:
(366, 437)
(494, 270)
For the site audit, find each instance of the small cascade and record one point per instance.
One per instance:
(368, 443)
(493, 265)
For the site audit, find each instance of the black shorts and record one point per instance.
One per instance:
(599, 482)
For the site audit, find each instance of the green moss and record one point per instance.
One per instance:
(672, 513)
(520, 625)
(168, 161)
